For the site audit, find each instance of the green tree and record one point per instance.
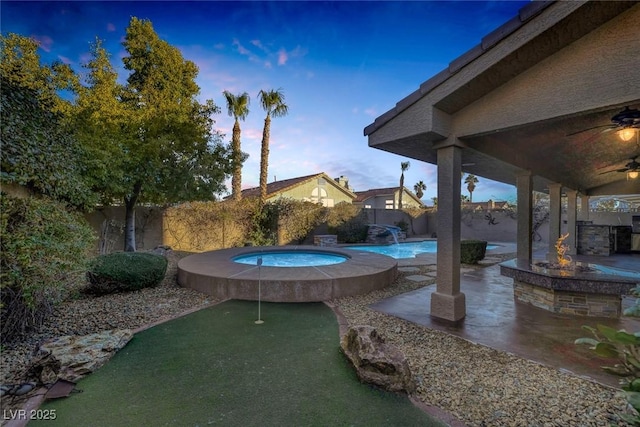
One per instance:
(419, 189)
(158, 139)
(20, 65)
(38, 152)
(272, 102)
(238, 108)
(99, 120)
(404, 166)
(471, 181)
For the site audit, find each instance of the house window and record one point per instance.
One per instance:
(367, 206)
(388, 204)
(319, 195)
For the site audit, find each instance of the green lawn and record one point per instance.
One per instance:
(217, 367)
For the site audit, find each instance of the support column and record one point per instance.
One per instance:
(448, 302)
(584, 208)
(572, 212)
(555, 190)
(524, 188)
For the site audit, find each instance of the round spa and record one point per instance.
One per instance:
(310, 274)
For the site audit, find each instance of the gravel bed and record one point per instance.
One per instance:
(478, 385)
(481, 386)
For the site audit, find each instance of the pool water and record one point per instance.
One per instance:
(404, 250)
(290, 259)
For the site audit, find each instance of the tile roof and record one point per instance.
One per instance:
(361, 196)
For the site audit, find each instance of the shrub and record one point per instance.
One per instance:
(472, 251)
(291, 220)
(45, 248)
(403, 225)
(125, 271)
(625, 347)
(348, 222)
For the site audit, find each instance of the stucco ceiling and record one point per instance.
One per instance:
(585, 161)
(516, 102)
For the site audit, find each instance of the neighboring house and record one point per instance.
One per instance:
(485, 206)
(386, 198)
(318, 188)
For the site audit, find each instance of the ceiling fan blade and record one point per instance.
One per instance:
(592, 128)
(614, 170)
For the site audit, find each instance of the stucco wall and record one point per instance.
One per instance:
(108, 222)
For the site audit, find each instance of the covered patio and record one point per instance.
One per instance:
(538, 104)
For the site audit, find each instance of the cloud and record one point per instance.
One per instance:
(241, 49)
(65, 60)
(371, 111)
(111, 27)
(45, 42)
(283, 57)
(259, 45)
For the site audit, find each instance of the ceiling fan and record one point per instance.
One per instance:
(632, 166)
(629, 118)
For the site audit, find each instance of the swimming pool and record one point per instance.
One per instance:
(404, 250)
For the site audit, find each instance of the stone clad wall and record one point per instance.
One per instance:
(594, 240)
(580, 304)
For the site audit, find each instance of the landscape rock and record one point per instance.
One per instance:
(81, 355)
(377, 362)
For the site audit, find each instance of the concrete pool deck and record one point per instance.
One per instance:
(495, 319)
(215, 273)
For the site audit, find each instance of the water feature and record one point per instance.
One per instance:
(290, 259)
(392, 230)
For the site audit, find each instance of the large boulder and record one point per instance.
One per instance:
(377, 362)
(78, 356)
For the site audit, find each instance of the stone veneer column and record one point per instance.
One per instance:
(448, 302)
(572, 211)
(555, 191)
(524, 187)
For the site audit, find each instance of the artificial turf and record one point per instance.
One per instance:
(217, 367)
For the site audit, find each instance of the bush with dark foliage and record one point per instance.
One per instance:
(44, 252)
(125, 271)
(472, 251)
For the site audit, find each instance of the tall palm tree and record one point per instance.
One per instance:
(419, 189)
(272, 102)
(238, 108)
(471, 181)
(404, 166)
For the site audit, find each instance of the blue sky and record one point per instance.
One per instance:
(340, 65)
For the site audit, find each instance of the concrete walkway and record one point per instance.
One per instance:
(496, 320)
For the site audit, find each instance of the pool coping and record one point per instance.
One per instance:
(214, 273)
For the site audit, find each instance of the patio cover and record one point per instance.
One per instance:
(504, 111)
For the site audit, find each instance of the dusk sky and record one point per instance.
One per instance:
(339, 64)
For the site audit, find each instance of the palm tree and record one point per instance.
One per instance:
(273, 103)
(471, 181)
(404, 166)
(419, 189)
(238, 108)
